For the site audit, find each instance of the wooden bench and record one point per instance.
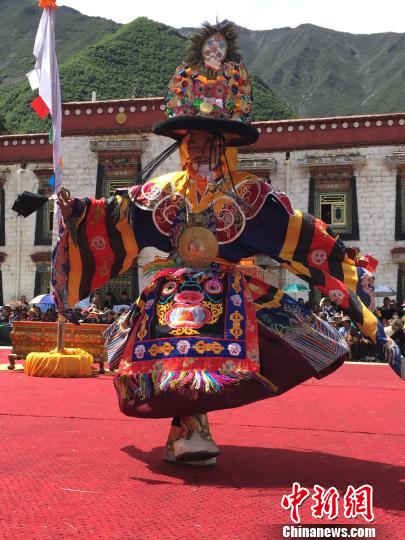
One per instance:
(27, 336)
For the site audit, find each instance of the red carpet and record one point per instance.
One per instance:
(73, 467)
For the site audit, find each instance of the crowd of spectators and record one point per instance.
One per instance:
(105, 309)
(390, 314)
(100, 310)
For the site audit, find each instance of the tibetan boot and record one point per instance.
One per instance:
(190, 442)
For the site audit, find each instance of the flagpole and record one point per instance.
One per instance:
(45, 77)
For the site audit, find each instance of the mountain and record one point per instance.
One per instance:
(18, 26)
(137, 59)
(322, 72)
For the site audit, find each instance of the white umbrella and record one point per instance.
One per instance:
(43, 301)
(83, 303)
(123, 307)
(384, 290)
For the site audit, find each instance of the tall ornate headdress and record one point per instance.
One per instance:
(211, 89)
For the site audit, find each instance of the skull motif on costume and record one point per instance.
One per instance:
(337, 296)
(98, 243)
(140, 351)
(183, 346)
(234, 349)
(236, 300)
(318, 256)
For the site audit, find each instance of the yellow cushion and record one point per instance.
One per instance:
(71, 363)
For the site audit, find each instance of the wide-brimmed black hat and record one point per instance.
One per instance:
(235, 133)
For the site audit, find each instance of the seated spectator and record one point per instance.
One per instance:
(359, 344)
(384, 322)
(385, 311)
(15, 315)
(326, 306)
(398, 334)
(332, 321)
(345, 327)
(396, 308)
(33, 315)
(96, 300)
(50, 315)
(124, 299)
(91, 317)
(110, 301)
(316, 309)
(23, 302)
(38, 312)
(5, 315)
(109, 317)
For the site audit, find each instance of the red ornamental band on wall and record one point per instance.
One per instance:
(94, 118)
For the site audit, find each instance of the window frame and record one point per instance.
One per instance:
(42, 269)
(43, 231)
(400, 204)
(104, 190)
(352, 230)
(2, 215)
(346, 208)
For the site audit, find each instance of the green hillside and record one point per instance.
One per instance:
(18, 26)
(138, 59)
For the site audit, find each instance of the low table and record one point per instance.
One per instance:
(27, 336)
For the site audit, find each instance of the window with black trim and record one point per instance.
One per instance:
(2, 216)
(400, 204)
(127, 281)
(333, 199)
(44, 224)
(113, 184)
(42, 279)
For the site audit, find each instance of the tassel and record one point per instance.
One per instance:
(145, 385)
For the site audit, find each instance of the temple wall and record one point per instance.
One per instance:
(375, 182)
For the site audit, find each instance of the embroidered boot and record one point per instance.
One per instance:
(190, 442)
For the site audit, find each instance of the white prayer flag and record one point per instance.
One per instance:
(33, 78)
(46, 67)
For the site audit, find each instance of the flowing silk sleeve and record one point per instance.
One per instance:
(96, 244)
(307, 247)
